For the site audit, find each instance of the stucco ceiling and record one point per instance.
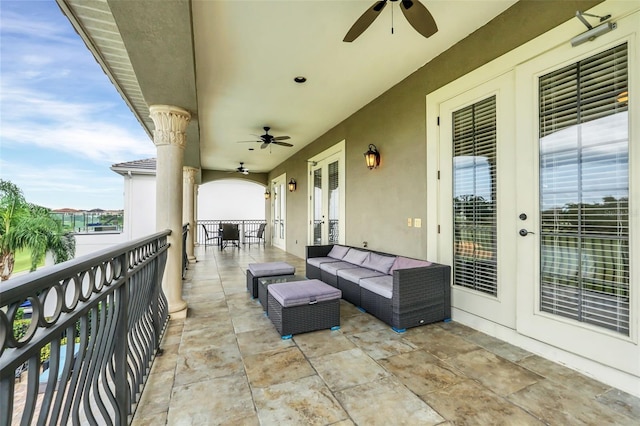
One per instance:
(232, 63)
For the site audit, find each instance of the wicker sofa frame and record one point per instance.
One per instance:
(419, 296)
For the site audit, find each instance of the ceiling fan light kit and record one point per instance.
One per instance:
(415, 12)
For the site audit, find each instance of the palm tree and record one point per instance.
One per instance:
(28, 226)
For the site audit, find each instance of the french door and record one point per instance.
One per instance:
(326, 199)
(577, 168)
(279, 211)
(477, 210)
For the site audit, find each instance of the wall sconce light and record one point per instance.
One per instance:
(372, 157)
(292, 185)
(267, 194)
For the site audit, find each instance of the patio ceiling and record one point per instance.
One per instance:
(232, 64)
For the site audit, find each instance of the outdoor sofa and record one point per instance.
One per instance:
(400, 291)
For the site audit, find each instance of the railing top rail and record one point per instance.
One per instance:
(16, 288)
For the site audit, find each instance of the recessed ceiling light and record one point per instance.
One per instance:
(300, 79)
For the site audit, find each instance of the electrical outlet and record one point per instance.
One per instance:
(409, 222)
(417, 222)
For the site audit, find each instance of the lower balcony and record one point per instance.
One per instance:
(226, 364)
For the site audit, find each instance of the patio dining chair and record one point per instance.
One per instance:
(211, 236)
(255, 236)
(230, 235)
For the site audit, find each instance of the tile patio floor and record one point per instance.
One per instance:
(226, 364)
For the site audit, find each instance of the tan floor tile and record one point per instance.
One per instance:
(205, 338)
(257, 341)
(557, 403)
(498, 347)
(157, 394)
(621, 402)
(307, 401)
(279, 366)
(198, 365)
(469, 403)
(394, 405)
(347, 368)
(497, 374)
(380, 344)
(225, 400)
(361, 324)
(561, 374)
(422, 372)
(322, 342)
(438, 341)
(256, 319)
(151, 420)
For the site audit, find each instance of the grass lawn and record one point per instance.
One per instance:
(23, 261)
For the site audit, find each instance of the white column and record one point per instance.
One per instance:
(170, 139)
(189, 182)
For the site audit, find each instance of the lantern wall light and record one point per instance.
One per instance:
(292, 185)
(267, 194)
(372, 157)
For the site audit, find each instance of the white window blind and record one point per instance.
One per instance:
(334, 203)
(584, 191)
(474, 189)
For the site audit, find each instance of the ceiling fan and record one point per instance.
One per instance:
(242, 169)
(268, 139)
(415, 12)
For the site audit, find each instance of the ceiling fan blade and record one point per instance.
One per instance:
(247, 141)
(364, 21)
(282, 143)
(419, 17)
(281, 138)
(264, 145)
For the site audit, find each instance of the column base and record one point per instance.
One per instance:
(179, 314)
(191, 259)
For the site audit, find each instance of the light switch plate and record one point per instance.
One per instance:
(417, 222)
(409, 222)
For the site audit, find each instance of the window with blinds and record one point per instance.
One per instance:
(584, 191)
(474, 191)
(334, 203)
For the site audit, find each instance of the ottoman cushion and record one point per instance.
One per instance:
(270, 268)
(307, 292)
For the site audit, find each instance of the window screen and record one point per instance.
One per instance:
(474, 191)
(584, 191)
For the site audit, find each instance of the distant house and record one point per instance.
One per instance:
(139, 197)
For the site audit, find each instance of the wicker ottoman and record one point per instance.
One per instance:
(302, 306)
(264, 282)
(269, 269)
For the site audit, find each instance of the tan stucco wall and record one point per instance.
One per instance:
(380, 201)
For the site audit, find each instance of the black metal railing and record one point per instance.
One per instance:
(213, 226)
(96, 322)
(185, 259)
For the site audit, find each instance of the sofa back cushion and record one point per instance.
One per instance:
(355, 256)
(406, 263)
(378, 262)
(338, 252)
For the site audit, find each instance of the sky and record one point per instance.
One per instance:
(62, 122)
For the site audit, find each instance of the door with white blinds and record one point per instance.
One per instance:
(327, 200)
(279, 211)
(477, 212)
(580, 167)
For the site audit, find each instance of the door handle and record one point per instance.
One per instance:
(523, 232)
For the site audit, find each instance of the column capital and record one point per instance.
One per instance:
(189, 174)
(171, 123)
